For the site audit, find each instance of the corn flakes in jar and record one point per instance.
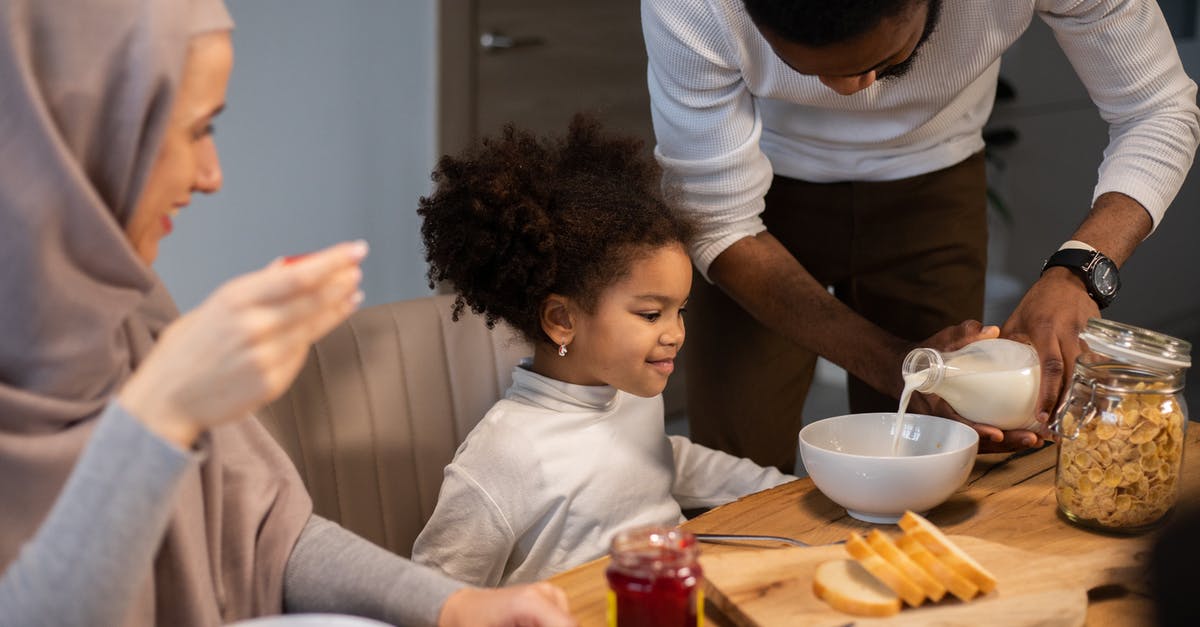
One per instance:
(1121, 428)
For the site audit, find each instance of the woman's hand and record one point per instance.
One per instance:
(535, 605)
(244, 345)
(991, 439)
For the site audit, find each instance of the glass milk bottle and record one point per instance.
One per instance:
(1122, 424)
(993, 382)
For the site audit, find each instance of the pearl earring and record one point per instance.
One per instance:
(562, 349)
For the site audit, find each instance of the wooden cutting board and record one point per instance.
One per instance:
(769, 587)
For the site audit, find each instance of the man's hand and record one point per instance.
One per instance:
(1057, 307)
(955, 337)
(1050, 316)
(535, 605)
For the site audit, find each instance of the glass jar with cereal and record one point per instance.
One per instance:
(1121, 428)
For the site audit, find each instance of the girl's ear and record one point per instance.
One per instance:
(558, 319)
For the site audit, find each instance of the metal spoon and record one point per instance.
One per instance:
(718, 537)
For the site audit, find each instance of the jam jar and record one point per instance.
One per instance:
(1121, 428)
(654, 579)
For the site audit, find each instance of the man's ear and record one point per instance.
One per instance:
(558, 318)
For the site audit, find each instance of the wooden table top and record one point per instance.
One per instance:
(1008, 499)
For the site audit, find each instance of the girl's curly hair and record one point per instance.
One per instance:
(519, 218)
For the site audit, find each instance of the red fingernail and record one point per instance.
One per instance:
(290, 259)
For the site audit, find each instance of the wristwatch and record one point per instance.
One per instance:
(1098, 272)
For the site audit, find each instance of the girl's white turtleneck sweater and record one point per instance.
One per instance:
(554, 470)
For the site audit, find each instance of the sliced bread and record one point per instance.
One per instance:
(957, 584)
(888, 550)
(883, 570)
(938, 544)
(847, 587)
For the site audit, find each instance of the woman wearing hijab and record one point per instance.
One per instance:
(134, 487)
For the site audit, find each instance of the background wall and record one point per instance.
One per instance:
(329, 135)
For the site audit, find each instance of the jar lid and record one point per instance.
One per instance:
(653, 548)
(1125, 341)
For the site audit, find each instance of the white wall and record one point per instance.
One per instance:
(329, 135)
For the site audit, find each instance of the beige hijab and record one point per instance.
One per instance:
(85, 92)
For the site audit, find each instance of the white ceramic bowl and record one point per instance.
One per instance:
(850, 460)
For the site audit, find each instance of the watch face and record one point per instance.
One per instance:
(1105, 277)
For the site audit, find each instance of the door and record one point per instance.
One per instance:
(540, 61)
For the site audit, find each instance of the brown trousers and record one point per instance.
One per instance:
(909, 255)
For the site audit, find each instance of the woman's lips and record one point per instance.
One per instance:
(168, 224)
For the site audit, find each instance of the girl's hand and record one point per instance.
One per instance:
(243, 346)
(534, 605)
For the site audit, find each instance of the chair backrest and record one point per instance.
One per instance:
(382, 404)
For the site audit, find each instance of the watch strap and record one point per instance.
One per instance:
(1082, 262)
(1076, 259)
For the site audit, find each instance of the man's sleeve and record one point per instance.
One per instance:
(706, 124)
(1123, 52)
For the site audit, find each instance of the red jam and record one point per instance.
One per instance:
(654, 579)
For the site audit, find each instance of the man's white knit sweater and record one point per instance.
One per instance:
(554, 470)
(728, 113)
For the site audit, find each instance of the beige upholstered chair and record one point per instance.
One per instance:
(380, 407)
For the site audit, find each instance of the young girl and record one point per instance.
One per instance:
(571, 243)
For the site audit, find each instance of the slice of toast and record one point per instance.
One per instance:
(884, 571)
(938, 544)
(847, 587)
(888, 550)
(957, 584)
